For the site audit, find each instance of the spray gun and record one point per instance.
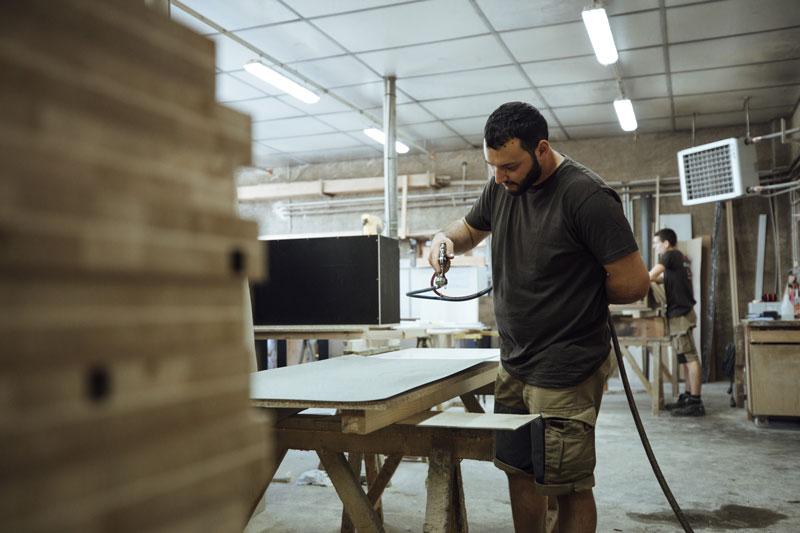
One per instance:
(439, 279)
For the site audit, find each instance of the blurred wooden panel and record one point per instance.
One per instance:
(124, 400)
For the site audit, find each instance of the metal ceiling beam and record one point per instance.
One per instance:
(389, 158)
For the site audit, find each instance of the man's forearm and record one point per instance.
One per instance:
(459, 233)
(625, 291)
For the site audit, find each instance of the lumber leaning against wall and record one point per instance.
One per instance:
(123, 374)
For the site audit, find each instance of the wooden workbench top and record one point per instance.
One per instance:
(353, 381)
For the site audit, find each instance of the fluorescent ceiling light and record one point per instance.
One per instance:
(625, 114)
(264, 73)
(377, 135)
(599, 31)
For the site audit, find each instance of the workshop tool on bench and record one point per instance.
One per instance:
(439, 281)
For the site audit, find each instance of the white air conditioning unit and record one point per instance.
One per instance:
(717, 171)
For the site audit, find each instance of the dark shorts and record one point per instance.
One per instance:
(556, 451)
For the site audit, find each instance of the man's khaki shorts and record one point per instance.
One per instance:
(556, 451)
(680, 332)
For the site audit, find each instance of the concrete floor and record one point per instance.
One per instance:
(725, 472)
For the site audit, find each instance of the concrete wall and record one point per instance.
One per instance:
(616, 158)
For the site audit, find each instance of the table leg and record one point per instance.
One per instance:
(445, 511)
(551, 518)
(390, 464)
(348, 487)
(354, 459)
(658, 385)
(271, 470)
(471, 403)
(458, 508)
(372, 464)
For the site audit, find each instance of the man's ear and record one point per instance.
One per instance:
(542, 148)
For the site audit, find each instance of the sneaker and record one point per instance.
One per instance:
(680, 403)
(692, 408)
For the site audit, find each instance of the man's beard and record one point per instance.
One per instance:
(530, 178)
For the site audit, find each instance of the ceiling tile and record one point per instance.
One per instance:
(645, 87)
(461, 54)
(447, 144)
(580, 94)
(732, 78)
(604, 113)
(729, 17)
(426, 130)
(639, 62)
(734, 100)
(406, 114)
(268, 108)
(549, 42)
(570, 70)
(326, 104)
(654, 125)
(314, 142)
(244, 14)
(260, 151)
(288, 127)
(655, 108)
(336, 71)
(182, 17)
(476, 140)
(482, 104)
(293, 41)
(403, 25)
(464, 83)
(609, 129)
(513, 14)
(230, 54)
(733, 118)
(368, 95)
(642, 62)
(347, 121)
(729, 51)
(316, 8)
(468, 126)
(411, 114)
(604, 91)
(230, 89)
(636, 30)
(586, 114)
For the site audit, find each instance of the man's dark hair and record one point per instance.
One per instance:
(668, 235)
(515, 119)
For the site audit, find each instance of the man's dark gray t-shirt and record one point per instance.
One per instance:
(549, 246)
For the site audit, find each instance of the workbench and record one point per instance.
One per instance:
(641, 326)
(771, 350)
(383, 405)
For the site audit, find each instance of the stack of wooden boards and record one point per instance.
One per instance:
(123, 390)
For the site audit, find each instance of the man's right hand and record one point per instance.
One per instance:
(433, 254)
